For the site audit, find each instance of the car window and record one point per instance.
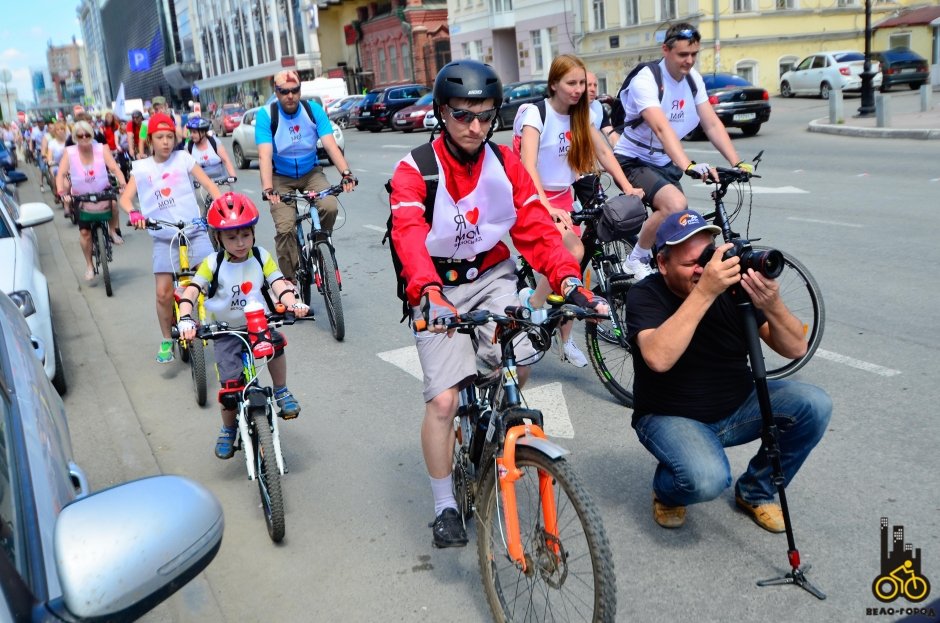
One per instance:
(521, 91)
(249, 117)
(370, 99)
(819, 62)
(541, 89)
(849, 56)
(806, 63)
(11, 539)
(426, 99)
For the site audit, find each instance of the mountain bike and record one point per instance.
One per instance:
(317, 264)
(101, 245)
(191, 352)
(258, 434)
(541, 545)
(206, 200)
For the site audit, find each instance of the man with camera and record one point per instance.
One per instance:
(694, 392)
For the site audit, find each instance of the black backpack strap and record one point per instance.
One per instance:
(541, 106)
(275, 118)
(265, 288)
(214, 284)
(213, 143)
(189, 145)
(423, 156)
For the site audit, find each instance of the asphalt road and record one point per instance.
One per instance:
(860, 213)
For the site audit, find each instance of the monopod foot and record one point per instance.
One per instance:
(798, 577)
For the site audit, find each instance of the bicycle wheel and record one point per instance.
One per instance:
(570, 575)
(304, 276)
(610, 353)
(803, 298)
(197, 367)
(101, 258)
(329, 287)
(268, 476)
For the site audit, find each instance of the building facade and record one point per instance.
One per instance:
(134, 48)
(65, 69)
(97, 82)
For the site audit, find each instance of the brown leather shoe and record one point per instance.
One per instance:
(668, 516)
(768, 516)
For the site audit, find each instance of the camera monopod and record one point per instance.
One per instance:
(769, 431)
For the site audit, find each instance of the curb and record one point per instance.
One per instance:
(822, 126)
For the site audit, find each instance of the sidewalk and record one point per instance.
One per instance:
(905, 121)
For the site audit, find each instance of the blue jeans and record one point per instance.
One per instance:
(693, 466)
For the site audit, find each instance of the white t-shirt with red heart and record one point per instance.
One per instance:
(208, 160)
(239, 283)
(165, 190)
(554, 143)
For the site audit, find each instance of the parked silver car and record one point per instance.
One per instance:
(820, 73)
(67, 554)
(244, 148)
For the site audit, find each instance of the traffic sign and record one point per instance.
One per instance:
(195, 92)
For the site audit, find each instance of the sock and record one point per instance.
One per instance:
(638, 253)
(443, 491)
(279, 390)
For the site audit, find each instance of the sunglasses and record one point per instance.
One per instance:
(467, 116)
(687, 34)
(81, 136)
(293, 91)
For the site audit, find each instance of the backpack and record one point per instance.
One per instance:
(617, 113)
(423, 156)
(189, 144)
(214, 284)
(275, 117)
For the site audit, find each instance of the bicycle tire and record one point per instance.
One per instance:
(304, 276)
(610, 354)
(101, 257)
(197, 366)
(329, 288)
(579, 585)
(803, 298)
(268, 476)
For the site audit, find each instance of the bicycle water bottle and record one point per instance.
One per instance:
(258, 334)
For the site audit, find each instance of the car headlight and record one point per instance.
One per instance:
(418, 113)
(24, 300)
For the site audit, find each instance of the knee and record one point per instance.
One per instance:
(329, 205)
(442, 407)
(164, 295)
(705, 481)
(574, 246)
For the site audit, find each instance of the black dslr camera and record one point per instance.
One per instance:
(767, 262)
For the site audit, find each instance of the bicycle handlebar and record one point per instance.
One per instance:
(312, 197)
(516, 317)
(155, 224)
(219, 182)
(726, 176)
(215, 330)
(104, 195)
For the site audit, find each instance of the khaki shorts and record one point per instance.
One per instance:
(450, 361)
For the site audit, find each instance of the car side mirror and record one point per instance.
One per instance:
(34, 213)
(121, 551)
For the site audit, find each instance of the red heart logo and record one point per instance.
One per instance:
(296, 128)
(568, 135)
(206, 157)
(166, 175)
(165, 192)
(681, 104)
(246, 287)
(473, 215)
(90, 172)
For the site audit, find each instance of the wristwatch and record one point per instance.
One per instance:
(346, 173)
(570, 283)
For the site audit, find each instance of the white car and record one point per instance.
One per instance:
(244, 148)
(820, 73)
(430, 121)
(22, 279)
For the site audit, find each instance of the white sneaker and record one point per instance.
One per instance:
(573, 354)
(639, 268)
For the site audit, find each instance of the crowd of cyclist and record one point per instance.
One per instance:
(524, 191)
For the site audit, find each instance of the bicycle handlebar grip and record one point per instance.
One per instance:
(420, 325)
(174, 333)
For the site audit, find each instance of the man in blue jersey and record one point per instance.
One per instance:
(286, 133)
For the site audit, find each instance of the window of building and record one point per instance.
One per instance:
(630, 12)
(394, 72)
(846, 3)
(600, 23)
(536, 36)
(502, 6)
(406, 60)
(383, 74)
(553, 41)
(899, 40)
(747, 70)
(465, 49)
(441, 57)
(783, 5)
(667, 9)
(743, 6)
(601, 85)
(785, 64)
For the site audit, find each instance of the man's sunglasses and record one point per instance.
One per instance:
(687, 34)
(293, 91)
(467, 116)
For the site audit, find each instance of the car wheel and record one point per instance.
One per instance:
(915, 85)
(785, 90)
(750, 129)
(407, 130)
(58, 380)
(824, 90)
(376, 129)
(497, 124)
(361, 128)
(342, 122)
(239, 156)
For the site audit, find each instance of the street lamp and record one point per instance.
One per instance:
(867, 109)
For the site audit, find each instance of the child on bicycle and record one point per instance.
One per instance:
(164, 191)
(231, 280)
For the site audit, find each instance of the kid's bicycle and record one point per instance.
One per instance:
(542, 548)
(101, 245)
(191, 352)
(317, 264)
(258, 434)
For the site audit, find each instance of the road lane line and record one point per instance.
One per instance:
(397, 146)
(548, 398)
(866, 366)
(764, 190)
(822, 222)
(375, 228)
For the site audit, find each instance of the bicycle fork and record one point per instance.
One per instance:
(259, 398)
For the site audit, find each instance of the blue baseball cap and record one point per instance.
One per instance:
(680, 226)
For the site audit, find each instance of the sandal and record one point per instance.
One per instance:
(89, 274)
(225, 443)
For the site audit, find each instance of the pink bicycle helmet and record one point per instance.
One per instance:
(232, 211)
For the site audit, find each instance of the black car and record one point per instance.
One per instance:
(515, 94)
(375, 112)
(902, 66)
(737, 102)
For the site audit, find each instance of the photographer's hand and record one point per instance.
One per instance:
(718, 274)
(783, 331)
(764, 292)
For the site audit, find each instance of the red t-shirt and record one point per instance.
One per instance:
(533, 234)
(132, 132)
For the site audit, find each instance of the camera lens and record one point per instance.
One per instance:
(768, 263)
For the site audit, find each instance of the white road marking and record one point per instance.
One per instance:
(397, 146)
(822, 222)
(866, 366)
(762, 190)
(375, 228)
(362, 170)
(548, 398)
